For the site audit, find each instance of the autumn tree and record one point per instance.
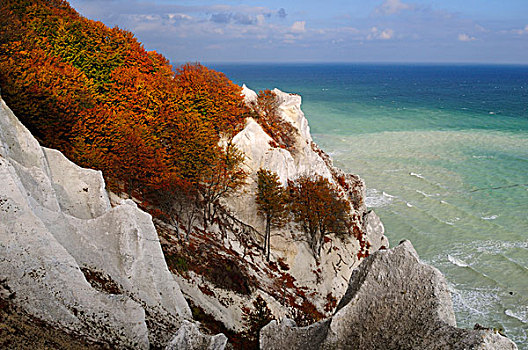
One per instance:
(266, 105)
(212, 96)
(177, 199)
(222, 178)
(318, 208)
(98, 96)
(271, 203)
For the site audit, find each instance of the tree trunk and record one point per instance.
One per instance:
(268, 236)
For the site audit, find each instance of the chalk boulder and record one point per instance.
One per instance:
(393, 301)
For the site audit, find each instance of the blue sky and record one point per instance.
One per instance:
(439, 31)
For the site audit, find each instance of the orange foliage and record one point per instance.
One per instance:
(318, 208)
(265, 111)
(271, 203)
(97, 95)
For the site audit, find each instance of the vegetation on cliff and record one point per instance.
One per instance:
(271, 203)
(164, 136)
(98, 96)
(265, 110)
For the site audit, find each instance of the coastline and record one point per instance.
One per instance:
(437, 208)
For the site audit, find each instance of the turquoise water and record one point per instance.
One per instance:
(444, 153)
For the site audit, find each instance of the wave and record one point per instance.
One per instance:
(427, 195)
(452, 223)
(457, 262)
(483, 157)
(420, 176)
(492, 217)
(375, 199)
(519, 315)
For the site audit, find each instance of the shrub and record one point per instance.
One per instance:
(265, 110)
(318, 209)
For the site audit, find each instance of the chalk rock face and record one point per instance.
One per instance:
(393, 301)
(189, 337)
(375, 231)
(71, 259)
(328, 275)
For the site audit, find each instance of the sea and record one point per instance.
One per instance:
(443, 150)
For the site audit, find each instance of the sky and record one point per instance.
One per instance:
(277, 31)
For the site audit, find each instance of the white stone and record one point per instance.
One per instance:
(189, 337)
(56, 218)
(393, 301)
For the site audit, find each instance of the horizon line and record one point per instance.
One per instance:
(417, 63)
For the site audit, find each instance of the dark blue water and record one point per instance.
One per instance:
(485, 90)
(444, 153)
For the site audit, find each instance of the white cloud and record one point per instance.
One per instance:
(298, 27)
(466, 38)
(385, 34)
(179, 16)
(522, 31)
(391, 7)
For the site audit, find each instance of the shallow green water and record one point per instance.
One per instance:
(444, 154)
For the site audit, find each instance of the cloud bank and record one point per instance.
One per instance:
(356, 30)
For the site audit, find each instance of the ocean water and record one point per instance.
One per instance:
(444, 153)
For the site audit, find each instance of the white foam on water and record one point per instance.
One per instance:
(521, 315)
(456, 261)
(492, 217)
(409, 205)
(420, 176)
(498, 247)
(375, 199)
(426, 194)
(475, 303)
(388, 195)
(452, 222)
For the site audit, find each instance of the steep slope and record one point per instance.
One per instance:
(295, 283)
(339, 254)
(71, 260)
(393, 301)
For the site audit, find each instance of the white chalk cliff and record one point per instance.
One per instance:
(319, 278)
(70, 259)
(339, 253)
(393, 301)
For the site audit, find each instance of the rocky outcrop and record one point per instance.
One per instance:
(189, 337)
(393, 301)
(339, 254)
(69, 259)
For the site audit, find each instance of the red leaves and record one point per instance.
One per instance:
(265, 111)
(97, 95)
(318, 208)
(211, 95)
(271, 203)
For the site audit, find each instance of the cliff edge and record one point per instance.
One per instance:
(69, 259)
